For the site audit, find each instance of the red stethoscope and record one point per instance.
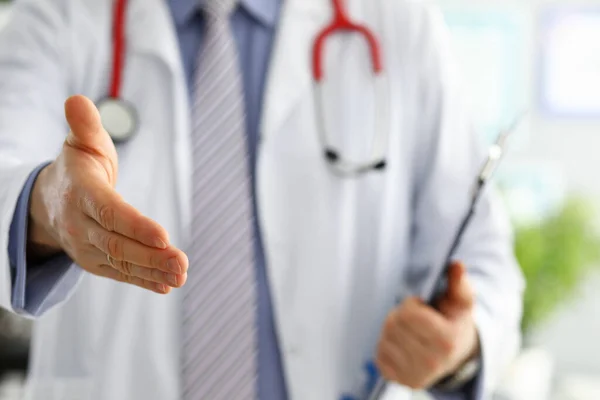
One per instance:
(119, 117)
(376, 161)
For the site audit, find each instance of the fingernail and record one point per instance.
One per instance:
(173, 265)
(161, 288)
(172, 279)
(159, 243)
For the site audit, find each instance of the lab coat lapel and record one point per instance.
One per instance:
(290, 75)
(151, 32)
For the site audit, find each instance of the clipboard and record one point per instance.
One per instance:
(440, 281)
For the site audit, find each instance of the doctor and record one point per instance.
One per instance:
(215, 254)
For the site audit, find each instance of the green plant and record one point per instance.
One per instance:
(555, 256)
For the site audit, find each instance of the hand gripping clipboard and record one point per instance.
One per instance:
(439, 286)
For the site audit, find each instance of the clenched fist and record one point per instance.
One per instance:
(420, 345)
(74, 208)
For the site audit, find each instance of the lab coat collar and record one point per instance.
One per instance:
(265, 11)
(153, 32)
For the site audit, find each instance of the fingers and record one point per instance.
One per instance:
(433, 343)
(149, 274)
(416, 345)
(107, 271)
(94, 261)
(391, 362)
(138, 271)
(426, 323)
(410, 364)
(113, 214)
(123, 249)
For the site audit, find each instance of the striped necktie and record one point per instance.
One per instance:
(219, 310)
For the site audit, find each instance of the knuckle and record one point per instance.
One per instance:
(153, 260)
(128, 268)
(106, 217)
(95, 238)
(114, 247)
(124, 267)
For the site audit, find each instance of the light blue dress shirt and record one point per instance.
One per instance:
(254, 25)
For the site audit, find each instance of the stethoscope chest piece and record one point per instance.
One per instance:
(118, 117)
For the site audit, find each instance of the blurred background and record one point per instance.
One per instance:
(544, 57)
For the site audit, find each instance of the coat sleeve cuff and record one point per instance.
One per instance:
(36, 288)
(498, 348)
(473, 390)
(490, 368)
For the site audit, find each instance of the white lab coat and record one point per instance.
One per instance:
(339, 251)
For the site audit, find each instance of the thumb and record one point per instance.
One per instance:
(88, 135)
(459, 296)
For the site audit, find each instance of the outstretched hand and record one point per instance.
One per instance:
(76, 209)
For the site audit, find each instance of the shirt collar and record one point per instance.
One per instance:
(265, 11)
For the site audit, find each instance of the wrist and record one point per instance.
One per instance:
(464, 370)
(41, 241)
(473, 353)
(460, 377)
